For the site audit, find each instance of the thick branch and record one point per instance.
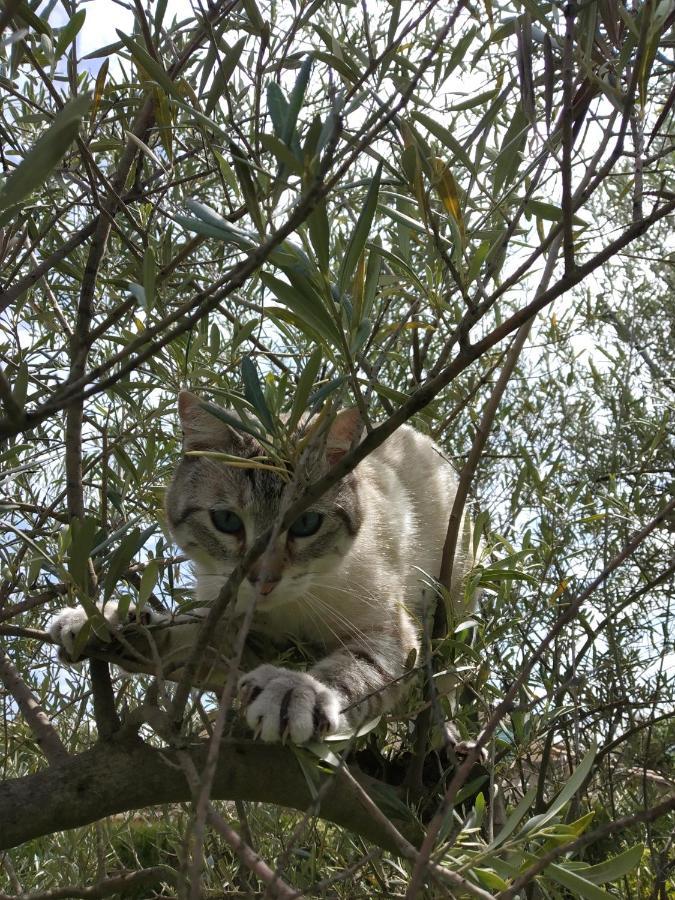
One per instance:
(123, 775)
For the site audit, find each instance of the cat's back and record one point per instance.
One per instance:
(411, 468)
(409, 487)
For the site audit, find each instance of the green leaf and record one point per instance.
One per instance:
(471, 788)
(99, 88)
(226, 171)
(548, 211)
(231, 420)
(359, 236)
(149, 278)
(490, 879)
(508, 160)
(575, 782)
(447, 139)
(20, 387)
(616, 867)
(223, 74)
(277, 106)
(478, 100)
(296, 99)
(319, 234)
(305, 384)
(148, 581)
(26, 14)
(574, 882)
(253, 393)
(308, 767)
(284, 316)
(46, 153)
(315, 314)
(82, 543)
(164, 117)
(247, 185)
(512, 822)
(243, 332)
(281, 151)
(120, 560)
(254, 16)
(286, 255)
(69, 32)
(153, 69)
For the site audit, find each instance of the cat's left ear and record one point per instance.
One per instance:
(201, 430)
(345, 432)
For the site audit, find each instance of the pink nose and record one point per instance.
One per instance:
(265, 587)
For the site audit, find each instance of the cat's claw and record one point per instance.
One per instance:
(281, 705)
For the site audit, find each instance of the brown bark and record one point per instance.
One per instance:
(126, 774)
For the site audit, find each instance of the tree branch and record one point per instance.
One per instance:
(116, 884)
(126, 774)
(46, 735)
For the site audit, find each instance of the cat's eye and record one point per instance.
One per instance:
(306, 525)
(226, 521)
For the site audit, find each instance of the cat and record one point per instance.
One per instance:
(345, 578)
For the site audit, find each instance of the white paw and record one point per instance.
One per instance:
(463, 748)
(282, 704)
(65, 627)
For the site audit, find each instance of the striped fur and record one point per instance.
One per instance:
(353, 589)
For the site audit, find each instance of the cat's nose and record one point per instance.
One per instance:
(265, 587)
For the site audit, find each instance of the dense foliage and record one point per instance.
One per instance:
(449, 214)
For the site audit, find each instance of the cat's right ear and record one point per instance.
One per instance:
(201, 430)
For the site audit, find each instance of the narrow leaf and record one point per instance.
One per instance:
(99, 87)
(153, 69)
(360, 234)
(82, 542)
(512, 822)
(616, 867)
(231, 420)
(223, 75)
(253, 393)
(305, 384)
(446, 186)
(149, 277)
(148, 580)
(69, 32)
(447, 139)
(120, 561)
(277, 106)
(46, 153)
(296, 99)
(314, 314)
(576, 883)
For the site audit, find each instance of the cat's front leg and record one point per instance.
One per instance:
(65, 627)
(340, 693)
(280, 703)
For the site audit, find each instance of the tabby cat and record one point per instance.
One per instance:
(345, 578)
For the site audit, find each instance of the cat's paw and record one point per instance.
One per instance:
(463, 748)
(281, 704)
(65, 627)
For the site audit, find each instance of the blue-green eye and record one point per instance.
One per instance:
(226, 521)
(306, 525)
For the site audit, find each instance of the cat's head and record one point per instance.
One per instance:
(216, 510)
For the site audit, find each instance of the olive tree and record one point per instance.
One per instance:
(445, 214)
